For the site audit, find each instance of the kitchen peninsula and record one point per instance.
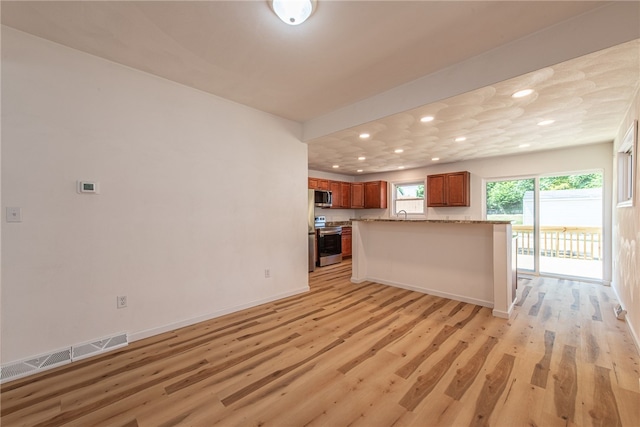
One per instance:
(466, 260)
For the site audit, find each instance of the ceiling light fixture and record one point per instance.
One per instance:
(524, 145)
(435, 159)
(398, 150)
(400, 167)
(335, 166)
(426, 119)
(522, 93)
(545, 122)
(293, 12)
(364, 135)
(362, 158)
(359, 170)
(460, 139)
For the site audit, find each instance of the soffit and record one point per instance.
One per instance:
(586, 97)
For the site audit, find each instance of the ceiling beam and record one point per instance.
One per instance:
(601, 28)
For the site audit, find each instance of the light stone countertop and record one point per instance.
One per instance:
(434, 221)
(339, 223)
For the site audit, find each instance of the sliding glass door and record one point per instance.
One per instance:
(570, 238)
(557, 220)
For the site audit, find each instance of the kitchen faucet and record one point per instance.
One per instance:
(405, 213)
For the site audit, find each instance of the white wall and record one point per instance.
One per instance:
(626, 237)
(198, 197)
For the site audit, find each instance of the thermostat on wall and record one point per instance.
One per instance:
(88, 187)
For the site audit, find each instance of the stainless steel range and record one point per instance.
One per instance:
(329, 242)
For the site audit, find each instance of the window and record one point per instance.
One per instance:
(408, 197)
(626, 163)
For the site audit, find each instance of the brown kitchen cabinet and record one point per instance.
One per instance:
(346, 241)
(353, 195)
(318, 184)
(448, 189)
(345, 190)
(375, 195)
(357, 195)
(336, 195)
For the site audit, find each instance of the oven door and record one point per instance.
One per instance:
(329, 245)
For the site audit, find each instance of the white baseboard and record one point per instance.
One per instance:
(505, 314)
(434, 292)
(136, 336)
(634, 333)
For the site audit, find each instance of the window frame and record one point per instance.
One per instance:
(394, 192)
(626, 167)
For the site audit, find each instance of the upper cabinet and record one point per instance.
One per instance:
(318, 184)
(448, 189)
(353, 195)
(345, 189)
(336, 195)
(357, 195)
(375, 195)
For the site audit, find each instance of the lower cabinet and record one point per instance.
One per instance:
(346, 241)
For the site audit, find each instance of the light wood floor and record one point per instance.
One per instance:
(359, 355)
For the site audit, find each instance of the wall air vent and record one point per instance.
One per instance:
(82, 351)
(13, 371)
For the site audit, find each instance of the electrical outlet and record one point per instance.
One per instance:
(267, 273)
(122, 301)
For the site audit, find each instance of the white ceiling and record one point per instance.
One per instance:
(352, 51)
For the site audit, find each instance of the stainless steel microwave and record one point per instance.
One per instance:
(322, 198)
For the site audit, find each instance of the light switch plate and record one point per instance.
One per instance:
(14, 214)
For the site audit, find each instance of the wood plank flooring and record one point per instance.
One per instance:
(364, 354)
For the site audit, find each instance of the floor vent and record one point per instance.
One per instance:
(93, 348)
(36, 364)
(33, 365)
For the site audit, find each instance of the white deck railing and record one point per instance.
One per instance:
(562, 242)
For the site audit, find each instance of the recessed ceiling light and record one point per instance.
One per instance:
(362, 158)
(435, 159)
(360, 170)
(400, 167)
(524, 145)
(545, 122)
(398, 150)
(364, 135)
(426, 119)
(522, 93)
(335, 166)
(460, 139)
